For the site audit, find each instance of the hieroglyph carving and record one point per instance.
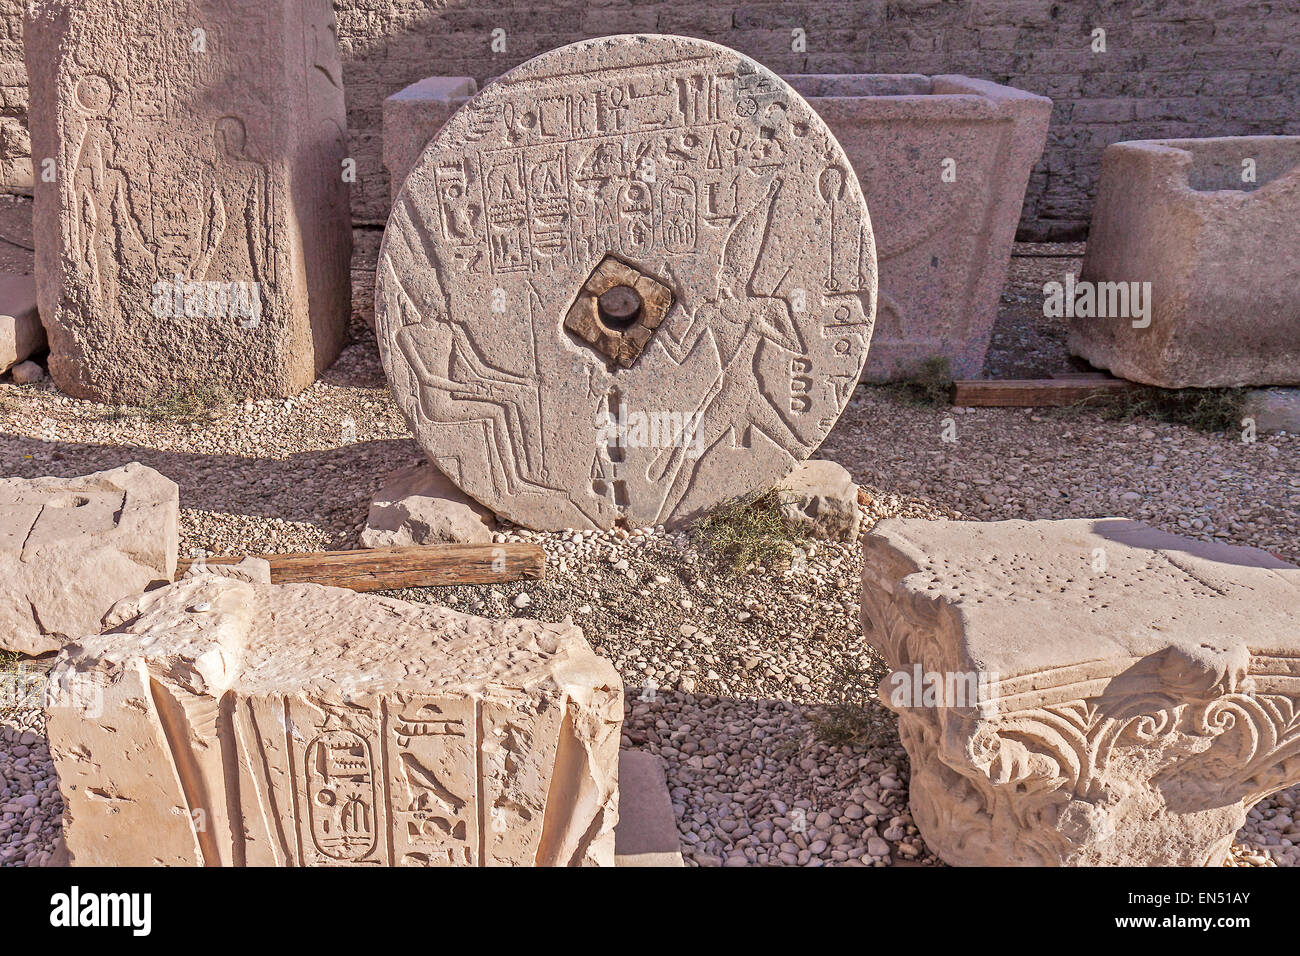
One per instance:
(230, 723)
(691, 168)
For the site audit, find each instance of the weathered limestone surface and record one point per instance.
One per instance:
(943, 246)
(419, 506)
(679, 161)
(229, 723)
(819, 498)
(197, 232)
(1137, 691)
(21, 332)
(1221, 255)
(70, 548)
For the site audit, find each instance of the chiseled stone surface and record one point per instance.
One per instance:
(1220, 254)
(819, 498)
(944, 246)
(419, 506)
(697, 169)
(229, 723)
(70, 548)
(196, 233)
(21, 332)
(1135, 692)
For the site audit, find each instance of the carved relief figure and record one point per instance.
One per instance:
(105, 233)
(234, 233)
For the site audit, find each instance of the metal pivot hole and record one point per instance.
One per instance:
(619, 307)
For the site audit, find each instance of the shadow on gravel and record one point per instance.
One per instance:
(301, 487)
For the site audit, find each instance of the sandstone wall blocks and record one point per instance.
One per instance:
(694, 170)
(1084, 692)
(196, 233)
(420, 506)
(820, 499)
(1211, 225)
(21, 332)
(71, 548)
(229, 723)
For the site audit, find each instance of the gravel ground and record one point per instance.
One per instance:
(729, 675)
(1026, 344)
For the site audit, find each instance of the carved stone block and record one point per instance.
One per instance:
(1210, 227)
(728, 203)
(70, 548)
(944, 162)
(231, 723)
(195, 231)
(1084, 692)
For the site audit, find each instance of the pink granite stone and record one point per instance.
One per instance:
(1214, 226)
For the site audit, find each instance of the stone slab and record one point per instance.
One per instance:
(420, 506)
(1274, 409)
(701, 172)
(70, 548)
(197, 232)
(1222, 257)
(646, 835)
(820, 499)
(1100, 692)
(412, 116)
(228, 723)
(21, 332)
(944, 244)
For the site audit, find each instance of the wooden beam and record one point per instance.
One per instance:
(385, 569)
(1031, 392)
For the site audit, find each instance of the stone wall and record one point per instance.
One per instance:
(15, 146)
(1192, 68)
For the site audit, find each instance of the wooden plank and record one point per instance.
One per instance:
(1028, 393)
(384, 569)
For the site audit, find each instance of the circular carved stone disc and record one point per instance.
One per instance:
(699, 181)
